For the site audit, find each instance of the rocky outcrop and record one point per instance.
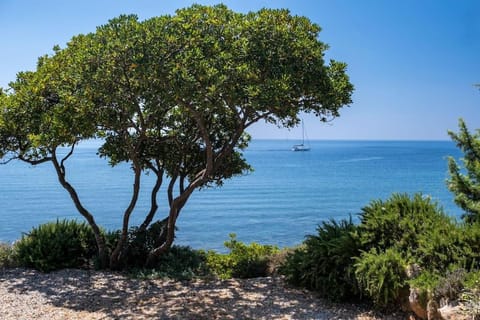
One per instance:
(424, 306)
(432, 311)
(457, 312)
(416, 305)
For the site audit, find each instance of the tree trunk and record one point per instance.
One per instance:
(165, 245)
(100, 240)
(115, 256)
(153, 201)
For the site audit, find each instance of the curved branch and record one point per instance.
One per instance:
(208, 143)
(153, 199)
(171, 184)
(114, 258)
(32, 162)
(80, 208)
(62, 166)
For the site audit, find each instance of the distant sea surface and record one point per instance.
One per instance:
(284, 199)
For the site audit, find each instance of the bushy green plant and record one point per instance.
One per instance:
(243, 261)
(472, 280)
(449, 245)
(138, 246)
(471, 243)
(324, 262)
(295, 267)
(398, 222)
(221, 264)
(381, 276)
(56, 245)
(443, 245)
(8, 257)
(180, 263)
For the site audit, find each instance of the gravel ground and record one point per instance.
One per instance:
(84, 294)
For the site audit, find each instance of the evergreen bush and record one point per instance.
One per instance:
(447, 245)
(57, 245)
(325, 262)
(382, 276)
(398, 222)
(369, 260)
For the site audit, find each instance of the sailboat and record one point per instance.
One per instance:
(302, 146)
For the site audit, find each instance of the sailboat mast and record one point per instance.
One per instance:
(303, 134)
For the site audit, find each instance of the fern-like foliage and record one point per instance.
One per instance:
(382, 276)
(325, 262)
(57, 245)
(465, 182)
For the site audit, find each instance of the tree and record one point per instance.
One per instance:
(172, 95)
(465, 184)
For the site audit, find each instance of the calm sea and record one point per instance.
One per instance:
(285, 198)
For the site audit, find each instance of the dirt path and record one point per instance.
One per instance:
(79, 294)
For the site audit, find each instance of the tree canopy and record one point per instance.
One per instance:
(172, 95)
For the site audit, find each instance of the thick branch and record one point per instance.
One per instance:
(80, 208)
(32, 162)
(171, 184)
(126, 216)
(153, 199)
(62, 166)
(206, 138)
(175, 207)
(181, 185)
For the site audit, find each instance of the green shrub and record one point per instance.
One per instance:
(221, 264)
(398, 222)
(449, 245)
(57, 245)
(471, 244)
(442, 246)
(138, 246)
(346, 261)
(324, 262)
(381, 276)
(296, 266)
(243, 261)
(8, 258)
(472, 280)
(179, 263)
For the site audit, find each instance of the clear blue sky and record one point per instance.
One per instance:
(413, 63)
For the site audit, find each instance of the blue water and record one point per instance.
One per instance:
(285, 198)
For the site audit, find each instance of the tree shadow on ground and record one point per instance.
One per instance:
(115, 296)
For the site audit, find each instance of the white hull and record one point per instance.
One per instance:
(300, 147)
